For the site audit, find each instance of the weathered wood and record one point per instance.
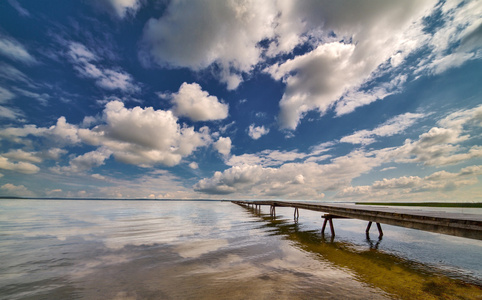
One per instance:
(457, 224)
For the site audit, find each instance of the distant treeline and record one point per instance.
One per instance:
(426, 204)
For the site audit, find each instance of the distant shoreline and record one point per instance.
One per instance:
(425, 204)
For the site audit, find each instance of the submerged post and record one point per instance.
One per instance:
(296, 214)
(328, 218)
(379, 227)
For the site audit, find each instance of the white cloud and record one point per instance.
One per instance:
(5, 95)
(257, 132)
(393, 126)
(201, 33)
(54, 153)
(12, 49)
(272, 173)
(122, 8)
(144, 136)
(349, 56)
(193, 165)
(11, 73)
(11, 113)
(16, 190)
(191, 101)
(406, 187)
(86, 161)
(348, 63)
(223, 145)
(53, 191)
(98, 176)
(42, 98)
(271, 158)
(461, 29)
(303, 180)
(440, 145)
(63, 130)
(21, 167)
(355, 97)
(20, 155)
(17, 134)
(109, 79)
(140, 136)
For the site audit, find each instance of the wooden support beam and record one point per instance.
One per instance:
(380, 232)
(329, 218)
(379, 227)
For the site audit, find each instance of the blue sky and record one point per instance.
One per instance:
(310, 100)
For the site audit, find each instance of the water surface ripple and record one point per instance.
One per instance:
(79, 249)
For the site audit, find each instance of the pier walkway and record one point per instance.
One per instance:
(457, 224)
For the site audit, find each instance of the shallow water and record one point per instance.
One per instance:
(81, 249)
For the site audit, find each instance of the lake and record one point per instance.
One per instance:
(96, 249)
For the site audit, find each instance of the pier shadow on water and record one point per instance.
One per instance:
(396, 276)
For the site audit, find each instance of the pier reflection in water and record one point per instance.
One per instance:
(393, 274)
(217, 250)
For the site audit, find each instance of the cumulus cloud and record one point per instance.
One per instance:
(191, 101)
(60, 133)
(140, 136)
(21, 167)
(441, 145)
(16, 190)
(86, 161)
(406, 186)
(393, 126)
(16, 134)
(193, 165)
(291, 174)
(144, 136)
(201, 33)
(21, 155)
(106, 78)
(347, 65)
(255, 132)
(14, 50)
(318, 79)
(63, 131)
(305, 179)
(223, 145)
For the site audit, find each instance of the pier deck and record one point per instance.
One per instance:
(457, 224)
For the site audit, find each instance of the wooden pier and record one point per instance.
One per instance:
(457, 224)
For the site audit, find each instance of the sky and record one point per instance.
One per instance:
(275, 99)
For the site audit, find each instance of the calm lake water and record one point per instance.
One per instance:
(76, 249)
